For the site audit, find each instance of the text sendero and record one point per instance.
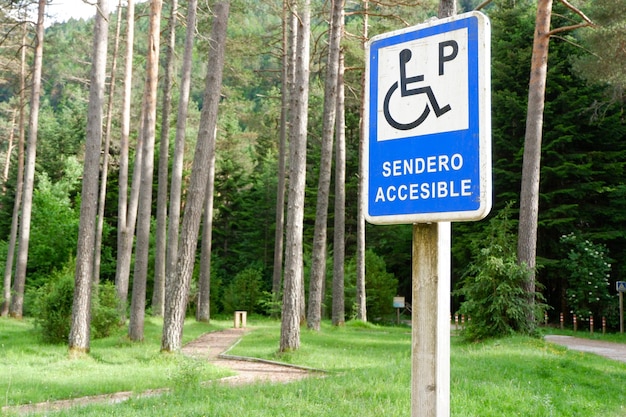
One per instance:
(416, 166)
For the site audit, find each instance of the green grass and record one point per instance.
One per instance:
(35, 372)
(368, 376)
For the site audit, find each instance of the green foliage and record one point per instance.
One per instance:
(52, 307)
(244, 292)
(380, 286)
(371, 365)
(588, 270)
(54, 224)
(494, 286)
(270, 305)
(33, 371)
(582, 174)
(605, 40)
(188, 373)
(105, 314)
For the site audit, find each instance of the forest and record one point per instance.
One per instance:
(581, 241)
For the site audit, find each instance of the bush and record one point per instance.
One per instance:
(587, 267)
(380, 286)
(244, 292)
(105, 314)
(52, 309)
(493, 286)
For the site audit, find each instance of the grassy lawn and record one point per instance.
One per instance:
(33, 372)
(368, 375)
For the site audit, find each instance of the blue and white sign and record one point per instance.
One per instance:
(620, 286)
(428, 123)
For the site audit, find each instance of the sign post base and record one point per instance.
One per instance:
(430, 355)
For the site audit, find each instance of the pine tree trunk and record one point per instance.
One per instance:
(293, 285)
(179, 145)
(178, 281)
(6, 288)
(8, 269)
(287, 82)
(204, 280)
(158, 294)
(105, 153)
(144, 213)
(17, 296)
(81, 310)
(318, 257)
(361, 300)
(339, 245)
(529, 196)
(124, 231)
(9, 151)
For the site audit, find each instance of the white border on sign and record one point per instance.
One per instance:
(484, 123)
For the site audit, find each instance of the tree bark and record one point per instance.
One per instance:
(293, 285)
(81, 309)
(204, 280)
(158, 294)
(529, 196)
(6, 288)
(447, 8)
(105, 153)
(318, 257)
(9, 151)
(339, 245)
(144, 213)
(126, 212)
(179, 144)
(178, 282)
(8, 269)
(17, 297)
(361, 313)
(287, 82)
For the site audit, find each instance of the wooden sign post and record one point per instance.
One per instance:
(427, 162)
(430, 365)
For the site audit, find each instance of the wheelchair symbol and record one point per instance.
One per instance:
(405, 91)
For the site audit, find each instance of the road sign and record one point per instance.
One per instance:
(428, 123)
(620, 286)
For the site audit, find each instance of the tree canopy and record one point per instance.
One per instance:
(582, 186)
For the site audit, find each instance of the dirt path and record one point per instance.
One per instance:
(212, 346)
(615, 351)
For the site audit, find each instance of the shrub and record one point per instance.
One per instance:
(52, 309)
(380, 286)
(587, 267)
(493, 286)
(105, 315)
(244, 292)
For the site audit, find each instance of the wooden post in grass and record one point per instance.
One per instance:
(620, 286)
(621, 312)
(430, 358)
